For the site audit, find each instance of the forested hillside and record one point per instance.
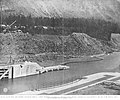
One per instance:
(96, 28)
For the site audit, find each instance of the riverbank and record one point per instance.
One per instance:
(64, 60)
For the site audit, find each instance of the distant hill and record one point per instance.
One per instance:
(103, 9)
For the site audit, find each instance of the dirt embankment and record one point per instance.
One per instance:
(25, 46)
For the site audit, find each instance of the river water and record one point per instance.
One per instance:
(77, 69)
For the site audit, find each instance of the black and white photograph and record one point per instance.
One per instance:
(59, 47)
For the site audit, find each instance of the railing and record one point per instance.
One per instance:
(5, 73)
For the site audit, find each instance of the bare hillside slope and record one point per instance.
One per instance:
(104, 9)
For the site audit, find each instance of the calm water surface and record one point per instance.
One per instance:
(77, 69)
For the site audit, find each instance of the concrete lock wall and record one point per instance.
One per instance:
(25, 69)
(10, 73)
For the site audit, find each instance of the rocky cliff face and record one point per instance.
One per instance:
(103, 9)
(115, 38)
